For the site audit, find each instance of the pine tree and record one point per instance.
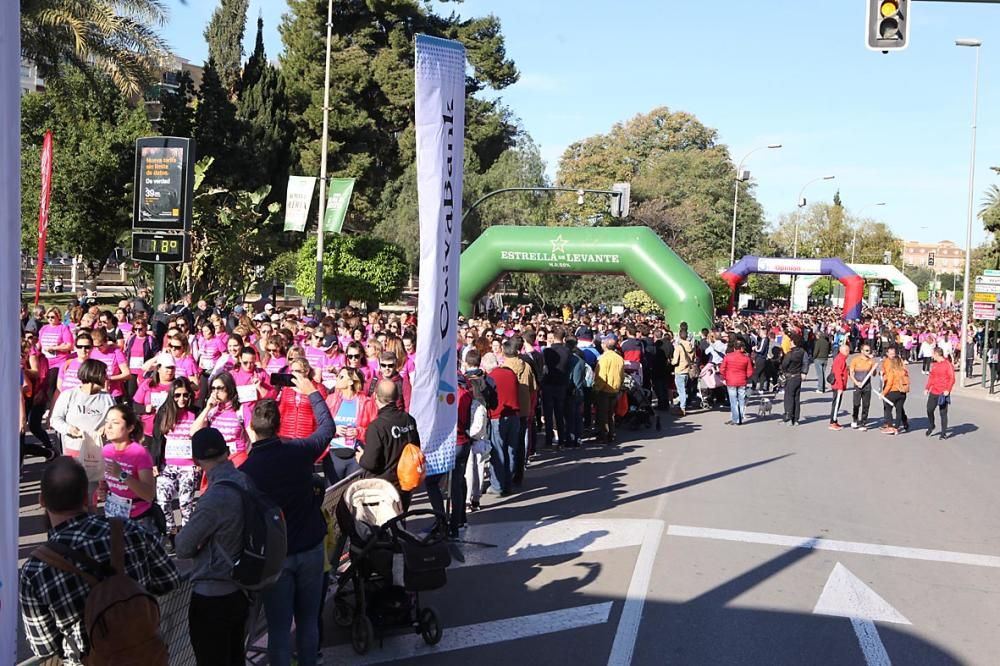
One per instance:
(224, 35)
(217, 130)
(372, 137)
(176, 108)
(267, 132)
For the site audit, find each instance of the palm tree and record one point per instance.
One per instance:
(117, 37)
(989, 210)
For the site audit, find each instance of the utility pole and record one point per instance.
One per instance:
(318, 298)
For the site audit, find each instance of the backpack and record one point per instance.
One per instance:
(484, 389)
(265, 539)
(120, 618)
(411, 470)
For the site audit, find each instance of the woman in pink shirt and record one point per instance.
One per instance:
(222, 412)
(179, 477)
(128, 488)
(229, 360)
(67, 371)
(248, 374)
(151, 395)
(111, 356)
(315, 352)
(56, 342)
(183, 362)
(335, 360)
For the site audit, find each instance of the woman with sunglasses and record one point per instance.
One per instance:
(335, 360)
(223, 412)
(68, 370)
(128, 488)
(315, 351)
(184, 364)
(56, 342)
(151, 394)
(250, 375)
(297, 419)
(179, 477)
(352, 411)
(139, 348)
(355, 358)
(105, 351)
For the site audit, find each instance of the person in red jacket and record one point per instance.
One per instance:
(736, 370)
(297, 420)
(506, 422)
(839, 384)
(938, 391)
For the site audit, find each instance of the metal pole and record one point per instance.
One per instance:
(736, 201)
(968, 227)
(318, 298)
(854, 243)
(159, 284)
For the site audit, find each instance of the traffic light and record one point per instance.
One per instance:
(930, 258)
(887, 25)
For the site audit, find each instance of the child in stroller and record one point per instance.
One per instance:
(640, 400)
(389, 566)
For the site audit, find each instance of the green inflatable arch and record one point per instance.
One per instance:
(633, 251)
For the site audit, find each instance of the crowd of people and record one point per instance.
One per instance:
(198, 405)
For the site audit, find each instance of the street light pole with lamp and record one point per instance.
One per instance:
(854, 241)
(801, 204)
(736, 197)
(976, 44)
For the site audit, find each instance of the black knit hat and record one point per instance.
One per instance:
(208, 443)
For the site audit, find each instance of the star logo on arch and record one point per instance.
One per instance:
(558, 244)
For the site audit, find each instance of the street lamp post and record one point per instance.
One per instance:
(801, 203)
(324, 142)
(854, 242)
(976, 44)
(736, 196)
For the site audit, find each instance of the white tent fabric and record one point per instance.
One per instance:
(911, 301)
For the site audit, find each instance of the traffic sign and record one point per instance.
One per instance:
(989, 272)
(987, 279)
(986, 311)
(987, 288)
(981, 297)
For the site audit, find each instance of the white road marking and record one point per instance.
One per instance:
(844, 595)
(861, 548)
(409, 646)
(521, 540)
(628, 624)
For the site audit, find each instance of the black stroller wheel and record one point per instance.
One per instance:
(430, 627)
(362, 634)
(343, 612)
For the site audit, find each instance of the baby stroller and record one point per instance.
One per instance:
(389, 566)
(640, 412)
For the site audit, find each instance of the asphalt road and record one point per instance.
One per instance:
(710, 544)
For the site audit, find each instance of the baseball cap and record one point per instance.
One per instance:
(208, 443)
(610, 338)
(268, 306)
(239, 309)
(165, 360)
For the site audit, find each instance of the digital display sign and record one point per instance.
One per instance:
(163, 248)
(163, 181)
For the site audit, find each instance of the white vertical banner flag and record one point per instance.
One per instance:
(440, 122)
(10, 248)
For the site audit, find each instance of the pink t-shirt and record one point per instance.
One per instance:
(67, 374)
(331, 368)
(230, 424)
(132, 459)
(210, 352)
(113, 358)
(316, 357)
(56, 334)
(177, 442)
(133, 352)
(149, 395)
(279, 364)
(186, 367)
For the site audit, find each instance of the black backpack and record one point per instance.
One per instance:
(484, 389)
(265, 540)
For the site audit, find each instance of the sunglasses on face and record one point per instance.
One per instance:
(353, 356)
(84, 347)
(388, 366)
(179, 396)
(176, 347)
(218, 388)
(51, 317)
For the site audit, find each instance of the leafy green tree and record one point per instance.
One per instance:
(920, 275)
(217, 131)
(224, 35)
(372, 137)
(826, 230)
(767, 286)
(94, 131)
(114, 37)
(355, 268)
(262, 111)
(640, 301)
(229, 237)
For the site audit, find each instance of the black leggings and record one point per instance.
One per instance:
(927, 363)
(897, 398)
(35, 413)
(932, 404)
(793, 392)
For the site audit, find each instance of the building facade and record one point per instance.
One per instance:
(941, 257)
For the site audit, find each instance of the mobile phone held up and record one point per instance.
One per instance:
(281, 379)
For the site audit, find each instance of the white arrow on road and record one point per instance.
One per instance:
(846, 596)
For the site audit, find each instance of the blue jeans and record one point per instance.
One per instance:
(737, 402)
(821, 372)
(297, 593)
(680, 380)
(506, 432)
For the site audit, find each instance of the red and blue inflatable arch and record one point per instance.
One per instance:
(854, 284)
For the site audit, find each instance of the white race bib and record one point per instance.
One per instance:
(116, 506)
(329, 384)
(135, 362)
(178, 449)
(206, 362)
(157, 399)
(246, 393)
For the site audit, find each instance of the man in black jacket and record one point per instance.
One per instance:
(555, 387)
(387, 436)
(794, 366)
(821, 358)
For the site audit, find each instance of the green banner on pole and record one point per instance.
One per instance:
(337, 204)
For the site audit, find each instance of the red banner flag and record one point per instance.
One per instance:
(43, 209)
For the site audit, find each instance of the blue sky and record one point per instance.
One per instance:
(893, 128)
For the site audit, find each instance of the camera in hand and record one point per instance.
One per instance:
(281, 379)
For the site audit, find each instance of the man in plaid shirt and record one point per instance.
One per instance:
(52, 600)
